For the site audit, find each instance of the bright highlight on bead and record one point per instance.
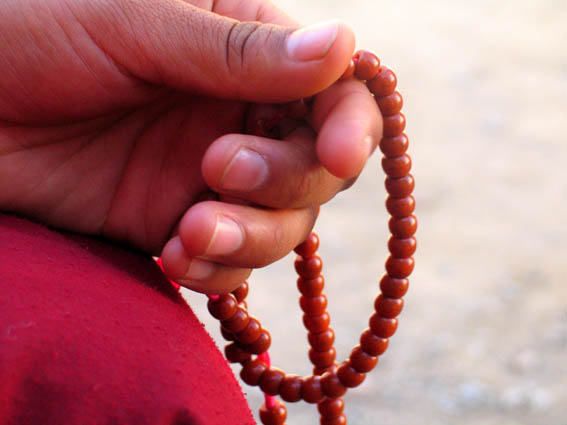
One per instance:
(249, 342)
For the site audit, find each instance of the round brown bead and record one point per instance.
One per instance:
(394, 125)
(311, 287)
(250, 333)
(309, 247)
(348, 376)
(311, 390)
(388, 307)
(316, 324)
(270, 380)
(291, 387)
(229, 336)
(394, 146)
(371, 344)
(382, 326)
(322, 358)
(391, 104)
(399, 187)
(331, 407)
(397, 167)
(322, 370)
(224, 308)
(241, 292)
(341, 420)
(400, 207)
(274, 415)
(313, 306)
(367, 65)
(403, 227)
(235, 354)
(361, 361)
(402, 248)
(384, 83)
(322, 341)
(332, 386)
(400, 268)
(237, 322)
(349, 72)
(262, 344)
(308, 268)
(392, 287)
(252, 370)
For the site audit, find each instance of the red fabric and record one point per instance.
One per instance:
(93, 334)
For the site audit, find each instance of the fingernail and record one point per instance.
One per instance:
(312, 42)
(199, 269)
(227, 237)
(246, 171)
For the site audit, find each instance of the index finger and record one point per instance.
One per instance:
(250, 10)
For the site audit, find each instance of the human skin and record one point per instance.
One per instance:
(119, 117)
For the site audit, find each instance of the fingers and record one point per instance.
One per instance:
(272, 173)
(176, 44)
(349, 125)
(218, 243)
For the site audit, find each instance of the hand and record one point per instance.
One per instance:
(118, 117)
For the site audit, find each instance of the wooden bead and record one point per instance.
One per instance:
(399, 187)
(237, 322)
(274, 415)
(235, 354)
(331, 408)
(224, 308)
(367, 65)
(349, 72)
(321, 370)
(313, 306)
(402, 248)
(250, 333)
(397, 167)
(384, 83)
(341, 420)
(403, 227)
(400, 268)
(391, 104)
(291, 387)
(392, 287)
(400, 207)
(322, 358)
(394, 125)
(388, 307)
(394, 146)
(311, 390)
(321, 341)
(311, 287)
(361, 361)
(226, 334)
(383, 327)
(309, 247)
(262, 344)
(252, 370)
(316, 324)
(332, 386)
(348, 376)
(308, 268)
(241, 292)
(371, 344)
(270, 380)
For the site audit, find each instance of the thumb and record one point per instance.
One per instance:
(173, 43)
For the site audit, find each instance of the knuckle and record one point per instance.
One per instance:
(239, 39)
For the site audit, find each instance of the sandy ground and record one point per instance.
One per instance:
(483, 336)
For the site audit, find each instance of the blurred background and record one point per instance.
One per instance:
(483, 335)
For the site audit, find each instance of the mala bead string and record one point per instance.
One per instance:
(249, 342)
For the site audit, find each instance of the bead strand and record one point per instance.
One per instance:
(331, 381)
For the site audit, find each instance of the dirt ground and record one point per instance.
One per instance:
(483, 335)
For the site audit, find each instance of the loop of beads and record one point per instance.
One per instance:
(330, 380)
